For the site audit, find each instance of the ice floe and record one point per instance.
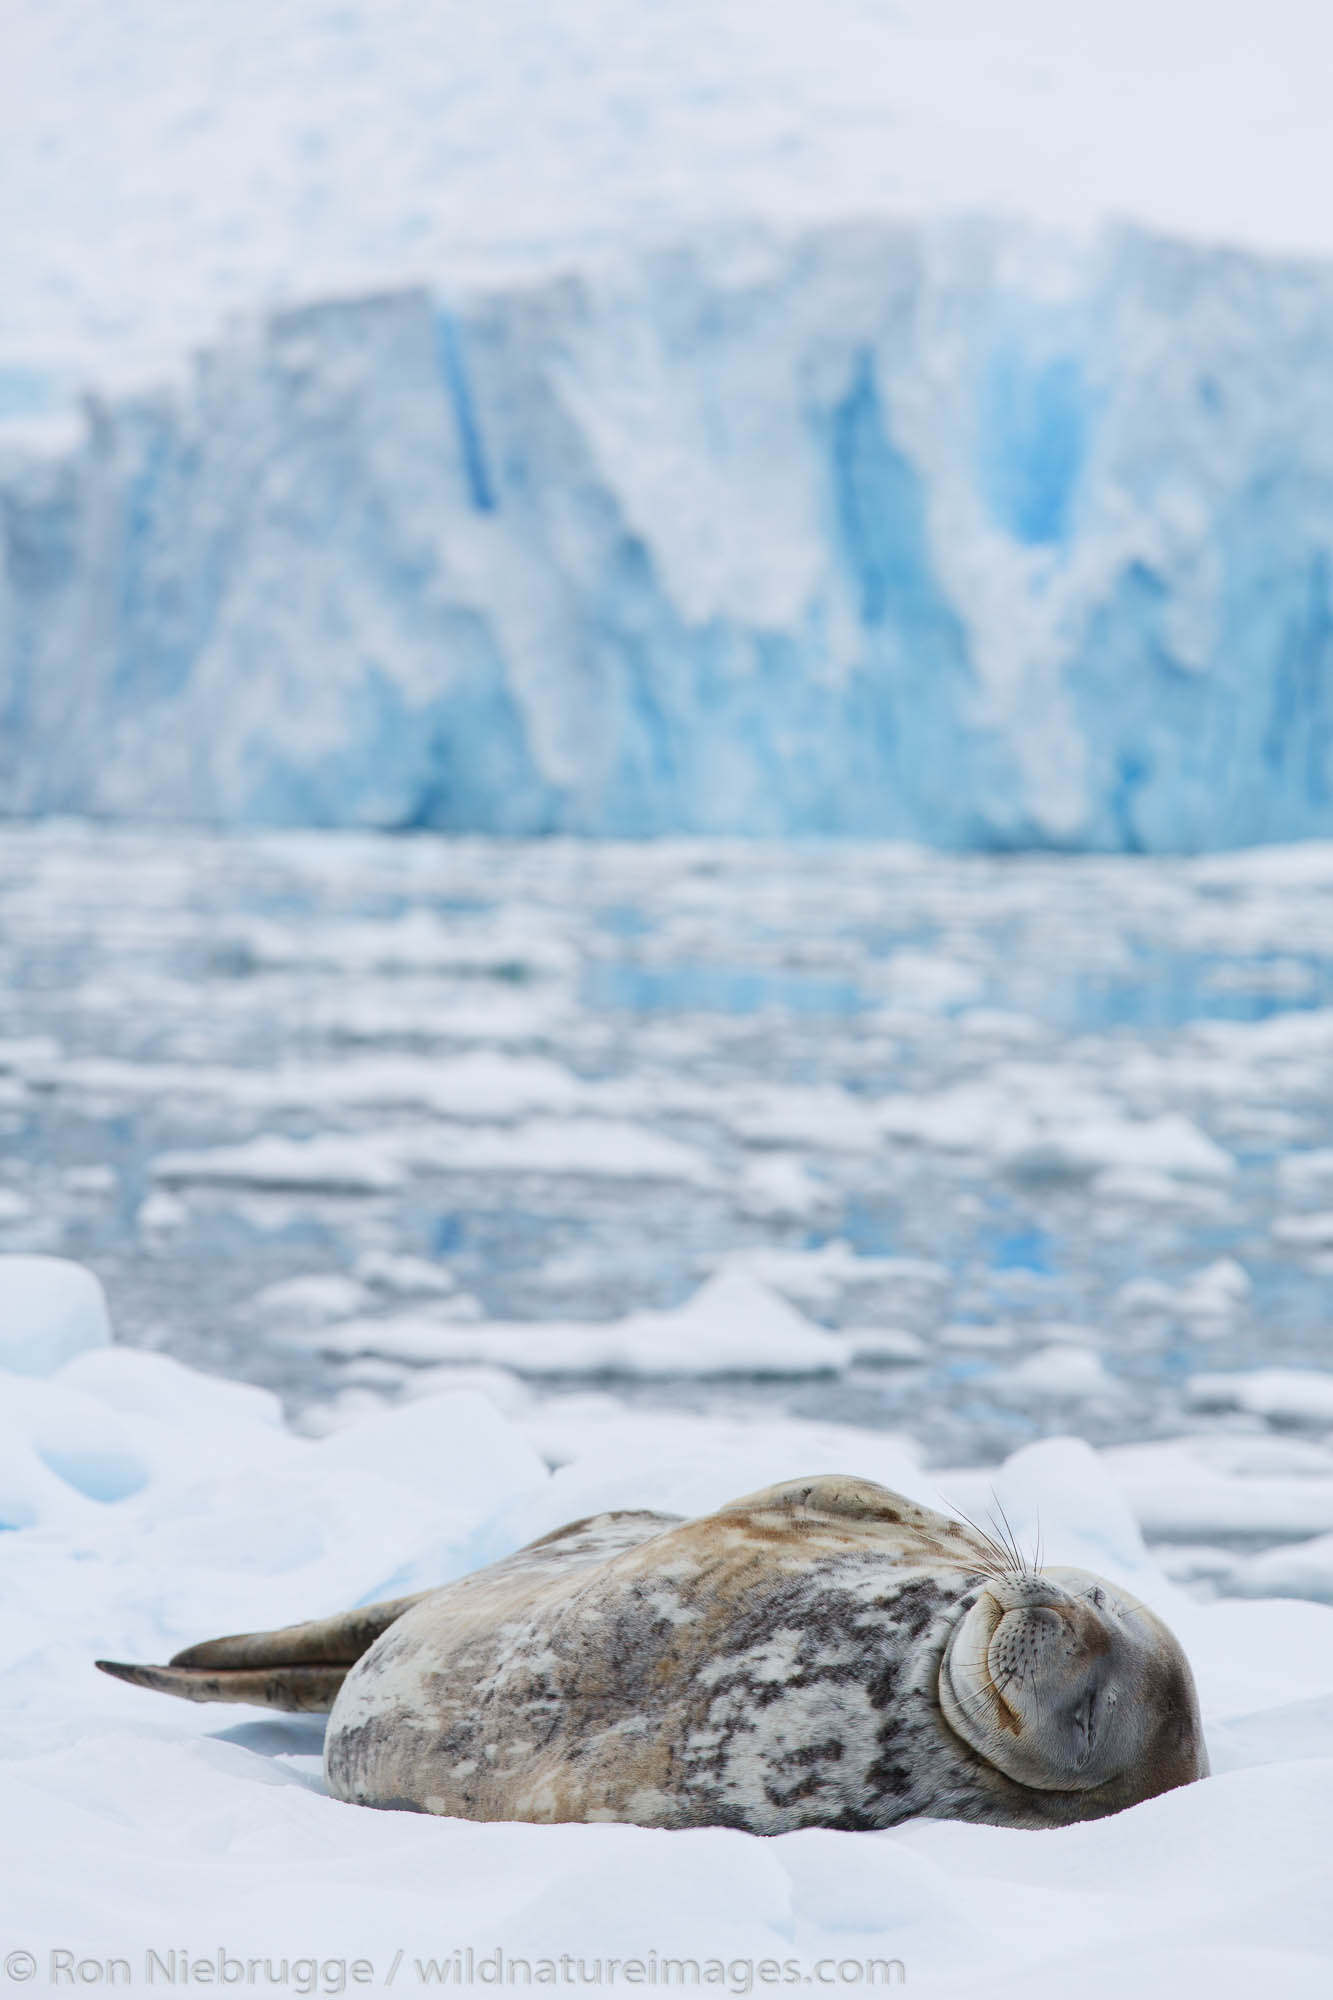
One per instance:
(732, 1326)
(149, 1506)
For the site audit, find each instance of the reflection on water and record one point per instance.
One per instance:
(1071, 1116)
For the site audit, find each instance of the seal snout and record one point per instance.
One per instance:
(1030, 1591)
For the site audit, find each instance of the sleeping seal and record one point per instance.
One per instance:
(824, 1653)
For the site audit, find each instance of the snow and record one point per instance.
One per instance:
(311, 150)
(162, 1505)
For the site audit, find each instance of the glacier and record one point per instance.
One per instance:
(959, 532)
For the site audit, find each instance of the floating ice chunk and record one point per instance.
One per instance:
(830, 1120)
(924, 980)
(515, 945)
(1178, 1495)
(1063, 1371)
(1218, 1290)
(883, 1346)
(976, 1333)
(19, 1053)
(161, 1214)
(1208, 1300)
(780, 1188)
(1196, 1562)
(1170, 1144)
(821, 1277)
(1305, 1232)
(309, 1301)
(480, 1085)
(14, 1207)
(1304, 1569)
(409, 1277)
(50, 1310)
(330, 1165)
(1146, 1187)
(1149, 1297)
(1283, 1395)
(1250, 1454)
(1307, 1172)
(596, 1147)
(91, 1180)
(732, 1326)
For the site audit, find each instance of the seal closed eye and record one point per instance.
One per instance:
(823, 1653)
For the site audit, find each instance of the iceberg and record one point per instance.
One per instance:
(957, 532)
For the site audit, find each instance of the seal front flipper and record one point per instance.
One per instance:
(299, 1668)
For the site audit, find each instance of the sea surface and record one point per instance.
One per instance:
(1052, 1136)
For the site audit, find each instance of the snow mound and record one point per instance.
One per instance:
(50, 1310)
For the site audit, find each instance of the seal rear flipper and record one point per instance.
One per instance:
(296, 1689)
(296, 1668)
(320, 1642)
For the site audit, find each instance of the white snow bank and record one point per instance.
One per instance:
(50, 1309)
(161, 1507)
(130, 1824)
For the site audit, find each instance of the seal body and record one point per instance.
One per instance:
(823, 1653)
(774, 1665)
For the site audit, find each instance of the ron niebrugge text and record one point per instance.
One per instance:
(313, 1974)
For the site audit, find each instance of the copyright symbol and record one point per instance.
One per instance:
(20, 1965)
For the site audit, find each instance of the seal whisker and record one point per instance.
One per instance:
(999, 1554)
(1019, 1567)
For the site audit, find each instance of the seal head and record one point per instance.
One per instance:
(1065, 1684)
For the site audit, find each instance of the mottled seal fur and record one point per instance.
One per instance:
(824, 1653)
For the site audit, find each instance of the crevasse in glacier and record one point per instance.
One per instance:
(954, 532)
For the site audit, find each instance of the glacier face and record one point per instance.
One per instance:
(956, 533)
